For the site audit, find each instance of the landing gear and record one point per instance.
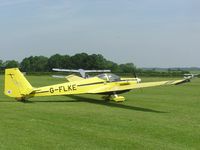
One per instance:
(21, 99)
(114, 97)
(117, 98)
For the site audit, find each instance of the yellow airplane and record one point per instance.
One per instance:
(108, 84)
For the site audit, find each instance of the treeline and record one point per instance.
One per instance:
(77, 61)
(42, 64)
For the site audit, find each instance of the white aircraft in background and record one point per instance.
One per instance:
(190, 75)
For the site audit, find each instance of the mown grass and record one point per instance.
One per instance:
(152, 118)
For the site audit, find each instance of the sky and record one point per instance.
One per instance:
(149, 33)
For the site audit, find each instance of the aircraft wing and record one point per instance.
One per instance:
(126, 86)
(65, 70)
(72, 78)
(97, 70)
(159, 83)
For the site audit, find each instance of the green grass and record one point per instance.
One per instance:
(152, 118)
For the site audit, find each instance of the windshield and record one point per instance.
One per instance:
(109, 77)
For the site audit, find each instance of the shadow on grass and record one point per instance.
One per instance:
(99, 102)
(15, 101)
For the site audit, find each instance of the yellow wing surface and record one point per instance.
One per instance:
(72, 78)
(130, 85)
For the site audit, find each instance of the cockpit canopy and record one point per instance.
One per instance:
(109, 77)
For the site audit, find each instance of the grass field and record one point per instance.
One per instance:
(151, 118)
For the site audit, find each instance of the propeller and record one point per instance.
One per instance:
(134, 73)
(137, 79)
(135, 76)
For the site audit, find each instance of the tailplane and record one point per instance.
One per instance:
(16, 84)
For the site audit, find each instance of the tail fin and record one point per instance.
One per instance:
(16, 84)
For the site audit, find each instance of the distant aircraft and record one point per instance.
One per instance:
(108, 84)
(190, 75)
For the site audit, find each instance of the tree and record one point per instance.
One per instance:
(26, 65)
(55, 61)
(97, 61)
(11, 64)
(127, 68)
(80, 61)
(114, 67)
(1, 63)
(67, 62)
(35, 64)
(40, 63)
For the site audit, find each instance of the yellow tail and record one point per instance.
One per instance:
(16, 84)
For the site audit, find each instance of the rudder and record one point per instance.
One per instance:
(16, 84)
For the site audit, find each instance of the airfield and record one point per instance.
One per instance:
(166, 117)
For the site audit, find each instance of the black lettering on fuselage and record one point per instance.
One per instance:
(70, 88)
(51, 90)
(60, 88)
(64, 89)
(74, 87)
